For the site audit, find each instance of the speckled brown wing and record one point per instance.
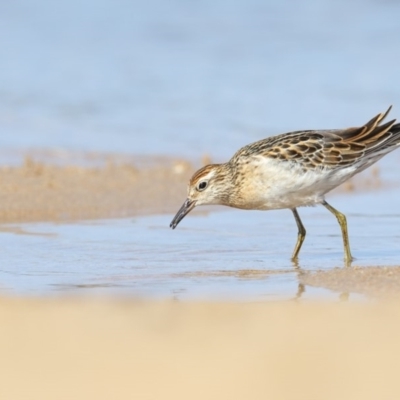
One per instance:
(336, 148)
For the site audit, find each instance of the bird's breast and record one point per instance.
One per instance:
(266, 184)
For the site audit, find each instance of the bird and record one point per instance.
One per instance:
(292, 170)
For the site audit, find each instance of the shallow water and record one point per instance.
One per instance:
(223, 254)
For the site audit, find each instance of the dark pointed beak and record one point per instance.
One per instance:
(187, 206)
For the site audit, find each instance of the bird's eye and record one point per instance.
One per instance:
(202, 185)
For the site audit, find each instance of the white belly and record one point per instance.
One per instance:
(272, 184)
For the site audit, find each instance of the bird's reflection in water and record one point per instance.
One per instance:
(301, 287)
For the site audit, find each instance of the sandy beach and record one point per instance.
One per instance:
(101, 349)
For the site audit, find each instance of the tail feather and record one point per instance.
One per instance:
(373, 137)
(393, 140)
(368, 143)
(378, 142)
(378, 133)
(378, 119)
(357, 134)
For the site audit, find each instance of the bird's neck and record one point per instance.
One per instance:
(225, 178)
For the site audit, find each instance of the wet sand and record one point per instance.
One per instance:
(379, 281)
(98, 349)
(117, 186)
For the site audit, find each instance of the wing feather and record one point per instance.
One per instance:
(335, 148)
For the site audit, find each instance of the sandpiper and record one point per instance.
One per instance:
(293, 170)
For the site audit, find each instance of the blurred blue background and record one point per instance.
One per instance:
(186, 78)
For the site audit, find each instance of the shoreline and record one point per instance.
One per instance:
(78, 187)
(49, 187)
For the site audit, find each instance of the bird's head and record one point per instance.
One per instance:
(209, 185)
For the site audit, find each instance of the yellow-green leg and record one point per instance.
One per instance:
(343, 226)
(300, 235)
